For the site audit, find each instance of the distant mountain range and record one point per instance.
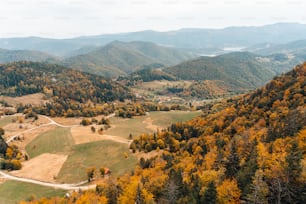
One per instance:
(297, 48)
(120, 58)
(206, 41)
(29, 55)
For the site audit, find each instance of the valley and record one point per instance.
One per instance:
(194, 115)
(60, 150)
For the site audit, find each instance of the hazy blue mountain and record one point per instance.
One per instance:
(294, 47)
(206, 41)
(25, 55)
(119, 58)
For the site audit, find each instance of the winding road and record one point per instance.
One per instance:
(78, 186)
(53, 185)
(52, 122)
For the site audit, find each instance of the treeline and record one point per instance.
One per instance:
(67, 108)
(10, 156)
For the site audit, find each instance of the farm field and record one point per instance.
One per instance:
(123, 127)
(61, 154)
(6, 120)
(104, 153)
(57, 140)
(12, 192)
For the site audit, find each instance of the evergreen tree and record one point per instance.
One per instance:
(232, 163)
(210, 195)
(295, 191)
(139, 196)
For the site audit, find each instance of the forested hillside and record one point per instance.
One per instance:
(240, 69)
(67, 90)
(120, 58)
(29, 55)
(248, 149)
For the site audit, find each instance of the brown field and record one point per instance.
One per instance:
(44, 167)
(83, 134)
(14, 128)
(67, 121)
(34, 99)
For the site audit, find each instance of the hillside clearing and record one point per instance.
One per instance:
(83, 134)
(33, 99)
(44, 167)
(57, 141)
(12, 192)
(148, 124)
(104, 153)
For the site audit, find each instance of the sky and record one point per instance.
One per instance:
(71, 18)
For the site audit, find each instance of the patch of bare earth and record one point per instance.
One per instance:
(34, 99)
(148, 155)
(15, 128)
(67, 121)
(83, 134)
(116, 139)
(2, 180)
(44, 167)
(149, 124)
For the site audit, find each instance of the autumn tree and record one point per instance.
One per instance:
(90, 173)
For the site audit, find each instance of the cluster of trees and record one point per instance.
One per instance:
(252, 150)
(67, 90)
(10, 156)
(130, 110)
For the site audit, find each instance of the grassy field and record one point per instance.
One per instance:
(57, 140)
(165, 119)
(104, 153)
(123, 127)
(12, 192)
(5, 121)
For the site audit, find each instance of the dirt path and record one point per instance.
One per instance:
(53, 185)
(117, 139)
(30, 166)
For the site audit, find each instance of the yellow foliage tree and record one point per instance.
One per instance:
(228, 192)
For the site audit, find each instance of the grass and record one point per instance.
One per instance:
(165, 119)
(5, 121)
(104, 153)
(57, 140)
(13, 191)
(123, 127)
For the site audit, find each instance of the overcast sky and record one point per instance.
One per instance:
(68, 18)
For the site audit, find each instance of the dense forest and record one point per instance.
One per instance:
(68, 91)
(249, 150)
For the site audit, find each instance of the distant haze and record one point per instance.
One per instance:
(70, 18)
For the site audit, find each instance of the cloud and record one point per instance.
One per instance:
(67, 18)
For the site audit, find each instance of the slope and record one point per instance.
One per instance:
(119, 58)
(249, 149)
(68, 89)
(28, 55)
(240, 70)
(252, 148)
